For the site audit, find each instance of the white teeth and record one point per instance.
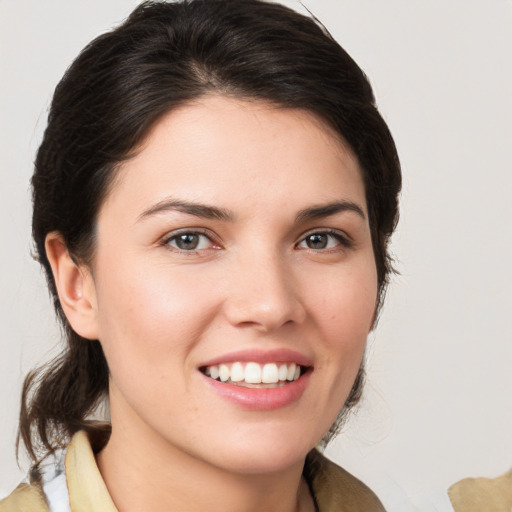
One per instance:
(254, 373)
(283, 372)
(237, 373)
(269, 374)
(214, 372)
(291, 371)
(223, 373)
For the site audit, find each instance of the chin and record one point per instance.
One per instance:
(265, 451)
(257, 463)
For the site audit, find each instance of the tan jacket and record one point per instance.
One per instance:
(482, 494)
(333, 488)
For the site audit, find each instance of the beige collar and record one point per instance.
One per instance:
(333, 488)
(87, 490)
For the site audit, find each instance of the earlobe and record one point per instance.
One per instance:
(75, 286)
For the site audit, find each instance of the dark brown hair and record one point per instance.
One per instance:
(165, 55)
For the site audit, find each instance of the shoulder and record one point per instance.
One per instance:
(25, 498)
(475, 494)
(335, 489)
(67, 476)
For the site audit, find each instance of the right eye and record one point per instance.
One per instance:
(189, 241)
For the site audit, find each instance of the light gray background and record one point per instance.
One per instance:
(438, 405)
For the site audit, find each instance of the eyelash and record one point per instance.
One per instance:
(167, 241)
(341, 240)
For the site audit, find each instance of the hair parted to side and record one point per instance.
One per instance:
(165, 55)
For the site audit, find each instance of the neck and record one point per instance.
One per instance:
(144, 473)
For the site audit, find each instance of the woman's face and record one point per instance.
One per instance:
(235, 245)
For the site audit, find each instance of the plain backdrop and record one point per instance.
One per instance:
(438, 403)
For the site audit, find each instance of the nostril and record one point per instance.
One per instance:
(264, 314)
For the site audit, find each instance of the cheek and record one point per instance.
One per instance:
(346, 306)
(150, 317)
(344, 312)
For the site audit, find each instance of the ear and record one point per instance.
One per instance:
(75, 287)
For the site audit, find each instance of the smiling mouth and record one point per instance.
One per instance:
(255, 375)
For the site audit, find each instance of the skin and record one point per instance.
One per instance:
(254, 282)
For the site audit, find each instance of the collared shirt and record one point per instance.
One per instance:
(72, 482)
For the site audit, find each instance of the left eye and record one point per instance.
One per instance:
(319, 241)
(189, 241)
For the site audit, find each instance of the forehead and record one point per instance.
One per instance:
(235, 152)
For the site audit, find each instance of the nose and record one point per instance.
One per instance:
(261, 293)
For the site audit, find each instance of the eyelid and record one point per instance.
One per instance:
(168, 237)
(343, 238)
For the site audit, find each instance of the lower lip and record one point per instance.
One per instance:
(261, 399)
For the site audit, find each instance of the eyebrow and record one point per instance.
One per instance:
(213, 212)
(325, 210)
(192, 208)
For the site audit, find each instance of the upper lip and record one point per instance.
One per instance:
(260, 356)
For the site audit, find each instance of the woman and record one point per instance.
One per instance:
(213, 201)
